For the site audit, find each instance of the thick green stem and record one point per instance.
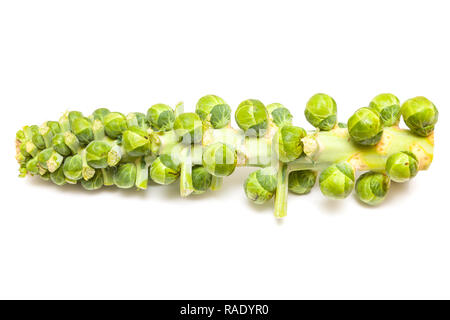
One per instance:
(282, 191)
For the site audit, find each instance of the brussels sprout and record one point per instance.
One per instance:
(302, 181)
(60, 146)
(138, 120)
(206, 104)
(161, 117)
(28, 149)
(220, 116)
(20, 136)
(96, 182)
(388, 106)
(45, 176)
(100, 113)
(220, 159)
(342, 125)
(32, 166)
(420, 115)
(337, 180)
(125, 176)
(164, 170)
(82, 128)
(288, 142)
(372, 187)
(71, 141)
(97, 154)
(251, 116)
(260, 185)
(321, 111)
(74, 115)
(279, 114)
(50, 159)
(115, 123)
(365, 127)
(201, 179)
(188, 127)
(72, 167)
(58, 177)
(136, 142)
(402, 166)
(36, 137)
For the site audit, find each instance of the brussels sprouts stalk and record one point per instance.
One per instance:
(282, 191)
(201, 148)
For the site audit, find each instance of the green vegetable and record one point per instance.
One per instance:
(201, 149)
(164, 170)
(161, 117)
(260, 185)
(365, 127)
(280, 115)
(201, 179)
(188, 128)
(219, 159)
(288, 143)
(302, 181)
(321, 111)
(372, 187)
(402, 166)
(337, 180)
(115, 124)
(388, 106)
(251, 116)
(125, 176)
(420, 115)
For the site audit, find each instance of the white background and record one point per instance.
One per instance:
(64, 242)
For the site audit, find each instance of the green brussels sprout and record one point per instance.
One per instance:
(161, 117)
(125, 176)
(302, 181)
(279, 114)
(54, 127)
(136, 142)
(420, 115)
(28, 149)
(73, 167)
(115, 123)
(36, 137)
(97, 154)
(321, 111)
(388, 106)
(342, 125)
(32, 166)
(219, 159)
(365, 126)
(402, 166)
(50, 159)
(164, 170)
(138, 120)
(261, 185)
(74, 115)
(251, 116)
(206, 104)
(82, 128)
(288, 142)
(45, 176)
(22, 171)
(20, 136)
(95, 183)
(57, 177)
(220, 116)
(100, 113)
(201, 179)
(60, 146)
(337, 180)
(188, 127)
(372, 187)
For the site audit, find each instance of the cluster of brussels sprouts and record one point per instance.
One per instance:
(110, 148)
